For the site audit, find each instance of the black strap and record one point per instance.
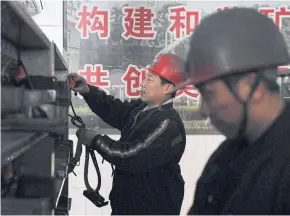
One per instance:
(90, 152)
(244, 122)
(90, 193)
(76, 159)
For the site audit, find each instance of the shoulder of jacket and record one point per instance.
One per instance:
(170, 116)
(166, 114)
(218, 152)
(174, 115)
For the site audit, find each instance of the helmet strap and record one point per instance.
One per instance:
(243, 126)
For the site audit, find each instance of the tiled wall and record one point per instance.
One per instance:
(198, 150)
(50, 21)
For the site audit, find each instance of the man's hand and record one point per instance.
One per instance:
(86, 137)
(80, 82)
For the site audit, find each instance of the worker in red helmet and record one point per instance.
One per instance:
(166, 68)
(147, 178)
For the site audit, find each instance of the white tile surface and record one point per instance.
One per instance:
(50, 21)
(78, 205)
(198, 149)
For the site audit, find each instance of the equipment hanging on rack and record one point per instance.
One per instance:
(92, 194)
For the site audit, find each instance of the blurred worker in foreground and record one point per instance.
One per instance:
(147, 177)
(233, 60)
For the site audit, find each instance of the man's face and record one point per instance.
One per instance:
(222, 107)
(152, 91)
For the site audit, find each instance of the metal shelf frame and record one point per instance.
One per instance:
(18, 143)
(37, 156)
(19, 28)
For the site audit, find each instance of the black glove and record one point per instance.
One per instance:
(87, 137)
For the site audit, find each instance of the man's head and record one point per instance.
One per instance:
(161, 78)
(233, 60)
(223, 101)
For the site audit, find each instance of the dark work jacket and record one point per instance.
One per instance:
(147, 178)
(248, 179)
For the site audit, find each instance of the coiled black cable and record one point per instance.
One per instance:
(90, 193)
(75, 119)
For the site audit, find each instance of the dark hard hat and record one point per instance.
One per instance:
(170, 67)
(234, 41)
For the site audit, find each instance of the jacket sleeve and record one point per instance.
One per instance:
(161, 145)
(111, 110)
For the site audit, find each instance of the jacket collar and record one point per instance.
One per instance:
(166, 105)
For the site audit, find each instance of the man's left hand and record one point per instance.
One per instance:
(86, 136)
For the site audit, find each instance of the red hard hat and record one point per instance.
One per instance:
(168, 66)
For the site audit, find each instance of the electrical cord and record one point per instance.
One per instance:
(75, 119)
(90, 193)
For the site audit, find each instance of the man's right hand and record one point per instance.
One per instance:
(80, 83)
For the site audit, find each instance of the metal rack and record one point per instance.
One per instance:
(37, 149)
(285, 83)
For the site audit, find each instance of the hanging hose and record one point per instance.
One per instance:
(90, 193)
